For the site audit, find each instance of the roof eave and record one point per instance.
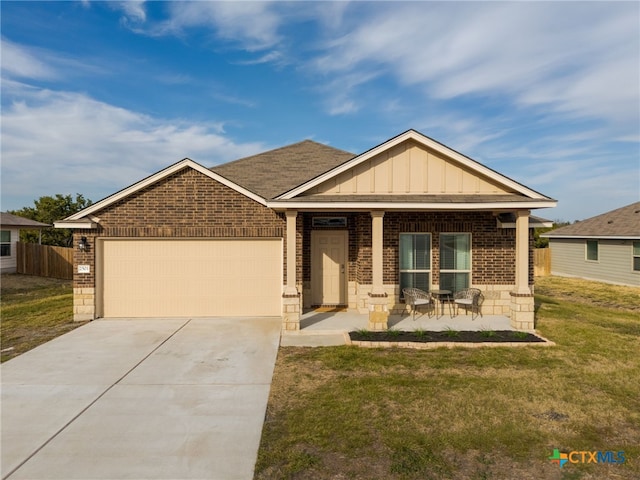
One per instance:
(594, 237)
(76, 225)
(507, 206)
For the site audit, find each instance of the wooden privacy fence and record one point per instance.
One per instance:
(542, 262)
(45, 260)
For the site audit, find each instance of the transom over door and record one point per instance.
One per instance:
(328, 267)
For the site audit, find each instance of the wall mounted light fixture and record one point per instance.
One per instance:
(83, 244)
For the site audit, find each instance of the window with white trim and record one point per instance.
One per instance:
(5, 243)
(455, 261)
(415, 261)
(592, 250)
(636, 256)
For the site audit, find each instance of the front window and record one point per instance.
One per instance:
(636, 256)
(455, 261)
(5, 243)
(415, 261)
(592, 250)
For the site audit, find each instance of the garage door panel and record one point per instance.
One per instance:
(175, 278)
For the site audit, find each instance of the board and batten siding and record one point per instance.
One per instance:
(409, 168)
(614, 264)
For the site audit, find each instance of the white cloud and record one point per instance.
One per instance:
(134, 10)
(579, 58)
(77, 144)
(19, 62)
(254, 25)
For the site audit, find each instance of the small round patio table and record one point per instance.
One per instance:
(442, 296)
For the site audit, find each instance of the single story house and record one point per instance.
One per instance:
(308, 225)
(605, 248)
(10, 226)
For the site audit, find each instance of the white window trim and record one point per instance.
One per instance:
(8, 243)
(633, 256)
(430, 271)
(448, 270)
(586, 251)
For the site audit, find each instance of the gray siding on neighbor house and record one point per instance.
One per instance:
(614, 265)
(9, 263)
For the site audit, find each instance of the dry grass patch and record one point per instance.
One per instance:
(351, 413)
(34, 310)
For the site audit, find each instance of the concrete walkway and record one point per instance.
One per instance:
(140, 399)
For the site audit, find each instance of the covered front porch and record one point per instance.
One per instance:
(327, 328)
(314, 321)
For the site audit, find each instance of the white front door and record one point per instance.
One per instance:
(329, 267)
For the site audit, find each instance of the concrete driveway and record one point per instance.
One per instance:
(140, 399)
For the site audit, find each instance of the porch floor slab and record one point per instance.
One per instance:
(329, 328)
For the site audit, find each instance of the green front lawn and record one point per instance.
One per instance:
(350, 413)
(34, 310)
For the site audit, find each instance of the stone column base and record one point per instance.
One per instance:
(522, 311)
(291, 312)
(84, 304)
(378, 312)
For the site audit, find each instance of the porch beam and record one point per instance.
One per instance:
(290, 288)
(522, 252)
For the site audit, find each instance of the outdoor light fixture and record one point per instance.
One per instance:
(83, 245)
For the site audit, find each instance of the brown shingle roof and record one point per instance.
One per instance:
(9, 220)
(272, 173)
(622, 222)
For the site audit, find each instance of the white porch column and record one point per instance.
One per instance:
(522, 301)
(290, 288)
(522, 252)
(291, 305)
(378, 308)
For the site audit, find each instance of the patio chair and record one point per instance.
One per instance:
(417, 298)
(469, 298)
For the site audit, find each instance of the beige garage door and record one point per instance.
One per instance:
(185, 278)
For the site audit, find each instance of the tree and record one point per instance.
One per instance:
(48, 210)
(544, 242)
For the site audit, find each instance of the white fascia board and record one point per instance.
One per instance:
(418, 137)
(159, 176)
(510, 206)
(532, 224)
(88, 225)
(551, 236)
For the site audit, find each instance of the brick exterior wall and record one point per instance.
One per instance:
(493, 248)
(188, 204)
(184, 204)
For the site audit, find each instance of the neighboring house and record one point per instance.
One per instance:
(604, 248)
(10, 226)
(307, 225)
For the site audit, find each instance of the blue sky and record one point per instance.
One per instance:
(96, 95)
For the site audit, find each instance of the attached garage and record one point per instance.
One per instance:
(190, 277)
